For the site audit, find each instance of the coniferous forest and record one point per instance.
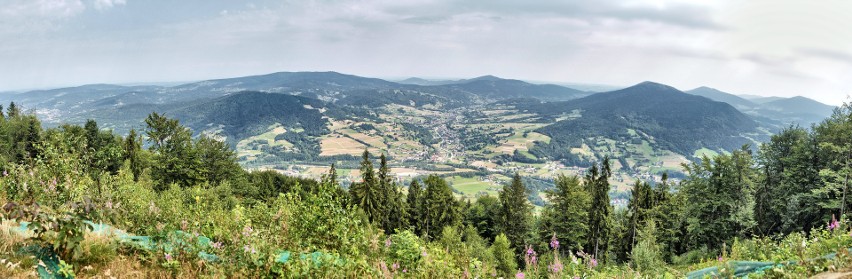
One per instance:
(81, 201)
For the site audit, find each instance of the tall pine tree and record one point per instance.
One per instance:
(367, 194)
(440, 209)
(597, 183)
(515, 213)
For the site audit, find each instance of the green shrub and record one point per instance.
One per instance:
(505, 258)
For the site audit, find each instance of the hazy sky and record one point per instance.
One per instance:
(762, 47)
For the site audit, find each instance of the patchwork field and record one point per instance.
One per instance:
(473, 187)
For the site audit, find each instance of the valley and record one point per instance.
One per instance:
(475, 132)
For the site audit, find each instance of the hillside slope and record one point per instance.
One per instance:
(672, 119)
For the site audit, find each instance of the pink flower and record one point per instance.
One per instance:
(247, 231)
(593, 263)
(520, 275)
(388, 242)
(833, 224)
(554, 243)
(556, 267)
(720, 259)
(168, 257)
(218, 245)
(395, 266)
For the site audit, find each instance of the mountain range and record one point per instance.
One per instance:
(277, 117)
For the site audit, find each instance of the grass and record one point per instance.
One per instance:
(705, 152)
(471, 187)
(336, 145)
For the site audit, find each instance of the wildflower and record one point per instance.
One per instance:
(388, 242)
(424, 254)
(108, 205)
(217, 245)
(247, 231)
(554, 243)
(556, 267)
(520, 275)
(404, 270)
(833, 224)
(593, 263)
(168, 257)
(246, 248)
(395, 266)
(720, 259)
(183, 225)
(5, 173)
(530, 251)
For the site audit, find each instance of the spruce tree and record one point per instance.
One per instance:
(567, 213)
(600, 210)
(440, 208)
(133, 153)
(515, 213)
(414, 201)
(367, 194)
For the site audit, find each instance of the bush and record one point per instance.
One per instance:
(646, 255)
(502, 251)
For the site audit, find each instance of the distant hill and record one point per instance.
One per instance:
(494, 88)
(797, 109)
(774, 112)
(719, 96)
(763, 100)
(248, 113)
(672, 119)
(425, 82)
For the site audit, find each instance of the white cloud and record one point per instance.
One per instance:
(101, 5)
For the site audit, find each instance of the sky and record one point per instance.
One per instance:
(758, 47)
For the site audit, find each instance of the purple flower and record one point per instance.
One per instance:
(246, 248)
(593, 263)
(247, 231)
(530, 251)
(834, 223)
(5, 173)
(168, 257)
(388, 242)
(395, 266)
(520, 275)
(218, 245)
(720, 258)
(556, 267)
(554, 243)
(404, 270)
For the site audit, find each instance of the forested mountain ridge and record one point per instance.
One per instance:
(82, 201)
(773, 111)
(486, 125)
(719, 96)
(672, 119)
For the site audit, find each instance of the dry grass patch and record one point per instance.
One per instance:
(337, 145)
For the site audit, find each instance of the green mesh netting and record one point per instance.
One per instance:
(744, 268)
(50, 267)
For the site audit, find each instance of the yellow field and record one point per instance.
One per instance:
(337, 145)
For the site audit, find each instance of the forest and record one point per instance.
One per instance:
(80, 201)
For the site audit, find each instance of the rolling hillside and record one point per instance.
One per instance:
(668, 117)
